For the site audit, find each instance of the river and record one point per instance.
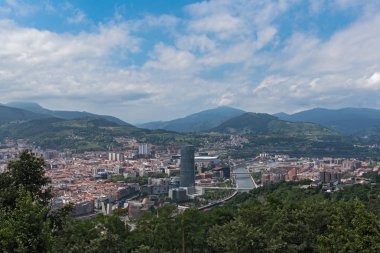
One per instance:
(244, 182)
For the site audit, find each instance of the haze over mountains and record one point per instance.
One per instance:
(262, 123)
(88, 131)
(197, 122)
(230, 120)
(64, 129)
(12, 114)
(347, 121)
(30, 110)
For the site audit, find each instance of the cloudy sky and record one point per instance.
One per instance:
(145, 60)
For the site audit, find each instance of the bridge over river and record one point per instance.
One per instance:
(244, 183)
(244, 180)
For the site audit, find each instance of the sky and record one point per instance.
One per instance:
(147, 60)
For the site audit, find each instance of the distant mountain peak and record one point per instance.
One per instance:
(225, 107)
(36, 108)
(263, 123)
(349, 120)
(197, 122)
(281, 114)
(23, 105)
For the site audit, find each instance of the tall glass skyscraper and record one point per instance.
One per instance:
(187, 166)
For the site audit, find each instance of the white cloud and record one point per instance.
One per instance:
(216, 54)
(374, 81)
(164, 23)
(77, 17)
(265, 36)
(311, 72)
(233, 54)
(43, 65)
(316, 73)
(222, 25)
(18, 8)
(316, 6)
(32, 46)
(201, 43)
(348, 3)
(170, 59)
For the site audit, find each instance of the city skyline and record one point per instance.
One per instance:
(143, 61)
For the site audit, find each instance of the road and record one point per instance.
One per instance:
(244, 183)
(218, 202)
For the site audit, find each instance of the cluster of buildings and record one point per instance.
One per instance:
(327, 170)
(137, 181)
(142, 176)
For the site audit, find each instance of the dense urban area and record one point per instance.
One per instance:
(146, 176)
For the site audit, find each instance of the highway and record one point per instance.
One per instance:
(218, 202)
(244, 183)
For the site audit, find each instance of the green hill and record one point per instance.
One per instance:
(197, 122)
(82, 134)
(345, 120)
(15, 114)
(261, 123)
(44, 113)
(87, 134)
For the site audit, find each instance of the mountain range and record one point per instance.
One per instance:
(30, 110)
(84, 130)
(262, 123)
(85, 134)
(197, 122)
(41, 125)
(16, 114)
(348, 121)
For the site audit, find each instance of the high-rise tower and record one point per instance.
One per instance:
(187, 166)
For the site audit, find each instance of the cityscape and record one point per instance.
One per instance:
(190, 126)
(148, 176)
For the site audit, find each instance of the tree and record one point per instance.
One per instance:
(25, 228)
(193, 228)
(157, 231)
(235, 236)
(26, 222)
(353, 229)
(101, 234)
(27, 173)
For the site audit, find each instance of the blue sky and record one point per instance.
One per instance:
(145, 60)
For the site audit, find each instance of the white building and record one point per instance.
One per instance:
(144, 149)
